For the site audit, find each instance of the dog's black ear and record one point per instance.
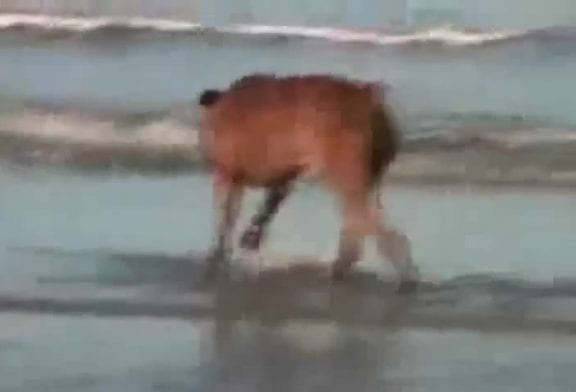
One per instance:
(209, 97)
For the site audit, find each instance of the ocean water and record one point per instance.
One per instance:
(94, 94)
(492, 105)
(455, 231)
(112, 91)
(105, 207)
(143, 354)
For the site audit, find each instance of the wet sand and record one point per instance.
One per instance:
(100, 290)
(47, 353)
(524, 233)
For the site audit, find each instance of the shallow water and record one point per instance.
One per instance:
(455, 230)
(142, 354)
(84, 248)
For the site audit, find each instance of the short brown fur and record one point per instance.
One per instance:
(266, 131)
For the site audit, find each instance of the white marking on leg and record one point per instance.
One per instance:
(395, 246)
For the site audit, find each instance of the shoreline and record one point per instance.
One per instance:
(172, 288)
(394, 179)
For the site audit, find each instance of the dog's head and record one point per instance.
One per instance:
(209, 97)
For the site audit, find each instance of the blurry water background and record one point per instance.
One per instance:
(105, 205)
(96, 94)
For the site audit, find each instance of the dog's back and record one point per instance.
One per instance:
(263, 128)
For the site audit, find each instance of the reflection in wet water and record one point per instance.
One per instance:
(57, 353)
(107, 283)
(260, 346)
(286, 329)
(265, 358)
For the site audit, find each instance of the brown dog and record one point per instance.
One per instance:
(266, 131)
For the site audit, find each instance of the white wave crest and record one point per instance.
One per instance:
(73, 128)
(81, 24)
(443, 34)
(446, 35)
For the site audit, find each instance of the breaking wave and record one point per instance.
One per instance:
(158, 141)
(450, 148)
(444, 35)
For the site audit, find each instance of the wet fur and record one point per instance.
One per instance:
(266, 131)
(248, 94)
